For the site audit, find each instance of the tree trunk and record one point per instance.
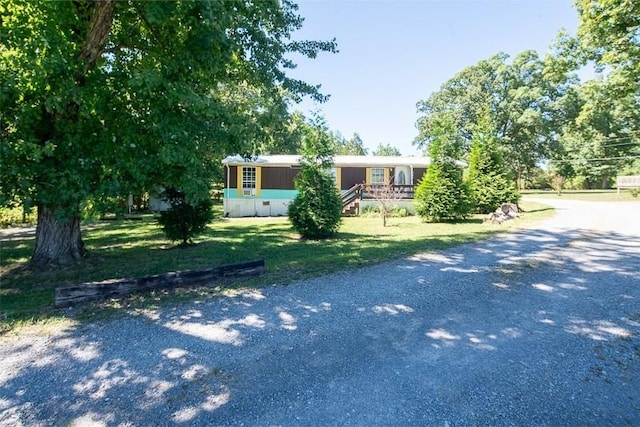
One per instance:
(99, 28)
(60, 242)
(57, 242)
(519, 178)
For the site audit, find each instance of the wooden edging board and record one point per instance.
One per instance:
(93, 291)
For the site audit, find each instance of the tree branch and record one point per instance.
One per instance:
(99, 28)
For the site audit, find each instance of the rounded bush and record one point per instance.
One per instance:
(183, 221)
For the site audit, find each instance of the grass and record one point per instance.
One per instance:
(138, 248)
(586, 195)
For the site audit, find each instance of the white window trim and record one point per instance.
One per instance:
(249, 180)
(374, 172)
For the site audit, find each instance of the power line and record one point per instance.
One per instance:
(597, 159)
(618, 138)
(620, 144)
(631, 135)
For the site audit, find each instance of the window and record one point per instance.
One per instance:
(377, 176)
(248, 180)
(402, 178)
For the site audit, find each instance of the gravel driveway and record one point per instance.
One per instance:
(537, 327)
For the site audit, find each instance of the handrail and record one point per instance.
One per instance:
(405, 191)
(351, 194)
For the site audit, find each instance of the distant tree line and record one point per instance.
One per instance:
(542, 114)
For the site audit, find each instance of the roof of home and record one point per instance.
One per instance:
(338, 161)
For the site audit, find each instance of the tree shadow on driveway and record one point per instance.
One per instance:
(533, 327)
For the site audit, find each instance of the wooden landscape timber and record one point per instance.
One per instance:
(66, 296)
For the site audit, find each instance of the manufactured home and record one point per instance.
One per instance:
(265, 185)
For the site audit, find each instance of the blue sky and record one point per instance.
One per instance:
(395, 53)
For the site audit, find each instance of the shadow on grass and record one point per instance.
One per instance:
(126, 249)
(204, 364)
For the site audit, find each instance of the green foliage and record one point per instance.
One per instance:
(289, 140)
(487, 176)
(184, 221)
(609, 32)
(631, 169)
(374, 211)
(386, 150)
(442, 195)
(157, 93)
(351, 147)
(16, 215)
(316, 212)
(538, 179)
(444, 143)
(522, 96)
(488, 192)
(602, 139)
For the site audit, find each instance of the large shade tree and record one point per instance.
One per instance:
(600, 139)
(609, 33)
(522, 97)
(603, 138)
(102, 97)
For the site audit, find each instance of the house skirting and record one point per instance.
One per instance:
(269, 203)
(276, 203)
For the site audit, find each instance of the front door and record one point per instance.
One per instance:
(402, 175)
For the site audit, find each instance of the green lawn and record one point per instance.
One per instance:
(586, 195)
(137, 248)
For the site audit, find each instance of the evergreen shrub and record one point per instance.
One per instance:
(184, 221)
(442, 195)
(316, 212)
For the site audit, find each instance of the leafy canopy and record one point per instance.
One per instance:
(386, 150)
(102, 98)
(609, 32)
(522, 96)
(155, 96)
(602, 139)
(353, 146)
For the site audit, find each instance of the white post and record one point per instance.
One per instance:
(225, 200)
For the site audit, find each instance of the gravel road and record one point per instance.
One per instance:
(536, 327)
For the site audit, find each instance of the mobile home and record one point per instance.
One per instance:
(265, 185)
